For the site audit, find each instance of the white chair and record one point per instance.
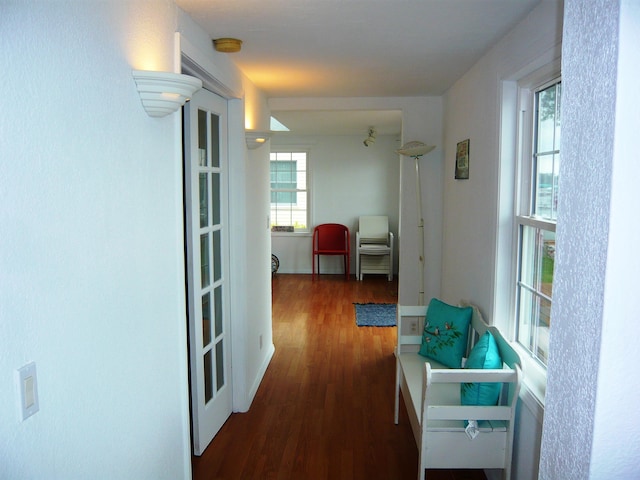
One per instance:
(374, 246)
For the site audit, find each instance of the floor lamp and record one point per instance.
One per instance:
(415, 150)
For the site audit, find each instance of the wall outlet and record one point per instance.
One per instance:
(260, 339)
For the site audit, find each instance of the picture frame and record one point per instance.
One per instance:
(462, 160)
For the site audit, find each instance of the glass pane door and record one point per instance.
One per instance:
(207, 243)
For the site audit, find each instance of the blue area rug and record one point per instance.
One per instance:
(375, 314)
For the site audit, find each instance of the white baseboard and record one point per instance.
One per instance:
(260, 375)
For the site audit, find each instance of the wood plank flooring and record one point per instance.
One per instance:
(324, 409)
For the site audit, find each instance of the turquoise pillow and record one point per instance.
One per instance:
(445, 334)
(485, 355)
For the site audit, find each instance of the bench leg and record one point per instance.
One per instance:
(422, 467)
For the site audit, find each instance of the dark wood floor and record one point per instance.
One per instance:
(324, 409)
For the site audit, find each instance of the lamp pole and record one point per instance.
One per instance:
(416, 150)
(420, 230)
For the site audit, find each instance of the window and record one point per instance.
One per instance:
(289, 191)
(536, 218)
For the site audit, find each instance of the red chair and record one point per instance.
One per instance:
(331, 239)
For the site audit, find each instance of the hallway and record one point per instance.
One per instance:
(325, 407)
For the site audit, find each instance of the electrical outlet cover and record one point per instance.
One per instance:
(27, 381)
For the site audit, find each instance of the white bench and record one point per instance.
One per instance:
(431, 394)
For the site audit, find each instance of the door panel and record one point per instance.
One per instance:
(207, 240)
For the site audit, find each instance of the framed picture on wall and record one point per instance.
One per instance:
(462, 160)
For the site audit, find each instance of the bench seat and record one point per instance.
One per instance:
(446, 394)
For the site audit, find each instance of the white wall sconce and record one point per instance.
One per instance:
(256, 139)
(163, 93)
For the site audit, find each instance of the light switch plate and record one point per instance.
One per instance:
(28, 390)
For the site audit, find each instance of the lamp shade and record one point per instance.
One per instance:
(415, 149)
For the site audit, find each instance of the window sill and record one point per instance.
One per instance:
(291, 234)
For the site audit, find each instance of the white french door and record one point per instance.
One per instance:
(207, 240)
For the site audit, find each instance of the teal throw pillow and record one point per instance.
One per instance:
(485, 355)
(445, 334)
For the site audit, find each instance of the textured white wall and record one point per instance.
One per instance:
(589, 427)
(618, 387)
(91, 282)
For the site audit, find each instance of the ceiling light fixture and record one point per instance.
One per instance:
(371, 139)
(163, 93)
(415, 150)
(227, 45)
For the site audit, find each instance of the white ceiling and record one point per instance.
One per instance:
(356, 48)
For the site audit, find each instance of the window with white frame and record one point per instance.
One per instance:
(289, 191)
(536, 216)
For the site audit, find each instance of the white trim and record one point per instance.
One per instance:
(258, 380)
(197, 63)
(513, 87)
(292, 234)
(533, 403)
(182, 334)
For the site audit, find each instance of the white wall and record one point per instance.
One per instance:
(256, 343)
(421, 120)
(589, 427)
(347, 180)
(92, 249)
(92, 282)
(471, 221)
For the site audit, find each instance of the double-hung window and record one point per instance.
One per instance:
(289, 191)
(536, 217)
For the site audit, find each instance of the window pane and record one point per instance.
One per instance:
(216, 207)
(206, 319)
(204, 204)
(301, 179)
(537, 262)
(535, 321)
(217, 309)
(208, 378)
(217, 256)
(215, 140)
(219, 366)
(535, 290)
(205, 278)
(202, 138)
(547, 120)
(546, 182)
(546, 163)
